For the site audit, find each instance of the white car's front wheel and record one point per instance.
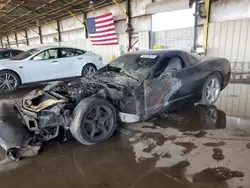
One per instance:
(9, 81)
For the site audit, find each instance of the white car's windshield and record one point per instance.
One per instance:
(25, 54)
(134, 65)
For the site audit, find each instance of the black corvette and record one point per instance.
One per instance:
(132, 88)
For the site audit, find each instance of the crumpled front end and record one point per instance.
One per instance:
(42, 112)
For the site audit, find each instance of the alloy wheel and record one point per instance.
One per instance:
(98, 122)
(8, 82)
(212, 90)
(89, 71)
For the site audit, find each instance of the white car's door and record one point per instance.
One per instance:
(71, 62)
(44, 66)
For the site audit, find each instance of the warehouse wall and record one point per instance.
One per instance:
(182, 39)
(73, 34)
(235, 100)
(228, 33)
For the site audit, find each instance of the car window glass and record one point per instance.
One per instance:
(68, 52)
(134, 65)
(5, 54)
(15, 52)
(26, 54)
(79, 52)
(169, 64)
(48, 54)
(161, 66)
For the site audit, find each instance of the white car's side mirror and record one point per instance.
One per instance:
(37, 58)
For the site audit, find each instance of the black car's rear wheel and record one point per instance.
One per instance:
(94, 121)
(9, 81)
(211, 90)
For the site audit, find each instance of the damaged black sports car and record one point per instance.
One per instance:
(132, 88)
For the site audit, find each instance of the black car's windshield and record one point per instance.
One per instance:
(133, 65)
(25, 54)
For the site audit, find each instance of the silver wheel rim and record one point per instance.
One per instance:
(89, 71)
(212, 90)
(8, 82)
(211, 118)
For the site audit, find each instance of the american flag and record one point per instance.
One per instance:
(101, 30)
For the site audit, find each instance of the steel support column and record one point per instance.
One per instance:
(16, 39)
(59, 31)
(1, 41)
(26, 36)
(84, 19)
(129, 25)
(40, 34)
(205, 27)
(8, 41)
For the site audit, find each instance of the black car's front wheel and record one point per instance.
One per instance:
(94, 121)
(9, 81)
(211, 90)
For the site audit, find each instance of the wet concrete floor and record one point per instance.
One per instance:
(194, 147)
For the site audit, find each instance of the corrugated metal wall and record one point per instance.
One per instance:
(182, 39)
(230, 39)
(235, 100)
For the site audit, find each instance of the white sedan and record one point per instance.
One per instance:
(47, 64)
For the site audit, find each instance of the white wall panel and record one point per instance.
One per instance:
(112, 8)
(225, 10)
(235, 100)
(164, 6)
(47, 29)
(138, 7)
(33, 32)
(144, 40)
(230, 39)
(71, 23)
(12, 38)
(73, 34)
(143, 23)
(34, 41)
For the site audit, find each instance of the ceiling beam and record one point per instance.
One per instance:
(11, 10)
(34, 19)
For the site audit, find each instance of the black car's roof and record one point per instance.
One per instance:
(154, 52)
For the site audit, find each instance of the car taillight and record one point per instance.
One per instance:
(100, 59)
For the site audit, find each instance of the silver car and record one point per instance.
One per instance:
(46, 64)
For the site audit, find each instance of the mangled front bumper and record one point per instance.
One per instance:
(42, 114)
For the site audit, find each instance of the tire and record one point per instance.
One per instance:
(88, 70)
(210, 93)
(9, 81)
(91, 130)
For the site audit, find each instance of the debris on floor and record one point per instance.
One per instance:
(15, 138)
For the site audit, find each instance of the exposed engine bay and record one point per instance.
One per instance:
(45, 111)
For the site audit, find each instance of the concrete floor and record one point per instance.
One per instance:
(175, 150)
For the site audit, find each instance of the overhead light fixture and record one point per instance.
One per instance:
(91, 5)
